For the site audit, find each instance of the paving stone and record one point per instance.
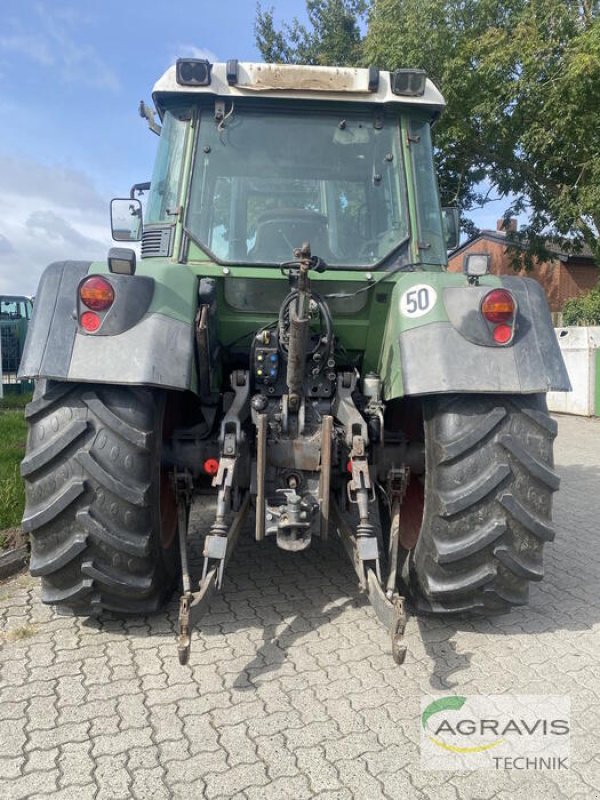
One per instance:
(198, 731)
(13, 672)
(321, 773)
(93, 710)
(235, 741)
(188, 770)
(171, 694)
(12, 737)
(354, 776)
(167, 726)
(112, 777)
(282, 789)
(26, 785)
(70, 691)
(104, 726)
(148, 784)
(275, 753)
(42, 713)
(40, 760)
(40, 654)
(236, 779)
(10, 768)
(313, 734)
(88, 792)
(185, 791)
(61, 734)
(76, 764)
(121, 742)
(142, 758)
(352, 745)
(113, 688)
(174, 750)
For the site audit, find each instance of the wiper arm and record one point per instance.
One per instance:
(391, 258)
(202, 247)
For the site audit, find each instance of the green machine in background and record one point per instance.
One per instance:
(15, 313)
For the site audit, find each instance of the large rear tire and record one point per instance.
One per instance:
(488, 498)
(100, 511)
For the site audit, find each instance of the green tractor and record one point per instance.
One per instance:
(291, 341)
(15, 313)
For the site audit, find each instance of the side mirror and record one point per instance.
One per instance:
(451, 220)
(126, 220)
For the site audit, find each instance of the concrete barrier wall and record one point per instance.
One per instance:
(580, 349)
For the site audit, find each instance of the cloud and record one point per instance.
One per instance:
(53, 40)
(5, 245)
(191, 51)
(34, 47)
(47, 214)
(55, 227)
(62, 186)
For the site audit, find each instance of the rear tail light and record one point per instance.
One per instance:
(502, 333)
(90, 321)
(97, 293)
(498, 306)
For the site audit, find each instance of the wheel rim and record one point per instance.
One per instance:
(168, 497)
(168, 511)
(411, 514)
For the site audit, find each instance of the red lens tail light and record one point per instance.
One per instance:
(211, 466)
(97, 293)
(498, 306)
(502, 333)
(90, 321)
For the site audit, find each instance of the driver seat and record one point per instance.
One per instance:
(279, 231)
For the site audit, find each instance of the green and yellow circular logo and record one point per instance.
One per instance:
(435, 726)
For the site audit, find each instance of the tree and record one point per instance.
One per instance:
(522, 82)
(333, 37)
(584, 310)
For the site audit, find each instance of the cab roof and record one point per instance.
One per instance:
(298, 82)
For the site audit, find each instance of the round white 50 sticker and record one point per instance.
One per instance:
(418, 300)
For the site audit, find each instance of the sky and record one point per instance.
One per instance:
(71, 138)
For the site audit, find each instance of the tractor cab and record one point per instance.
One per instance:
(278, 156)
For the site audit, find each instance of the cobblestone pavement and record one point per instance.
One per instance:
(291, 691)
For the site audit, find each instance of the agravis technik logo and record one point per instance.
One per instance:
(495, 732)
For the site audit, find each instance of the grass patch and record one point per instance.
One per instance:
(15, 402)
(18, 634)
(11, 587)
(13, 433)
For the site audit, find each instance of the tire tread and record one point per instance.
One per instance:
(488, 490)
(92, 498)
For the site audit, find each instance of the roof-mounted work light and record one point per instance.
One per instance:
(121, 261)
(193, 71)
(409, 82)
(475, 265)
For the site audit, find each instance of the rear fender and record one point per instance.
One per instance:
(138, 342)
(437, 341)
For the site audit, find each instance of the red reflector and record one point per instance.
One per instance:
(97, 293)
(89, 321)
(498, 306)
(502, 333)
(211, 466)
(349, 466)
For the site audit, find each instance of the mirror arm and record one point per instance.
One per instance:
(148, 114)
(139, 188)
